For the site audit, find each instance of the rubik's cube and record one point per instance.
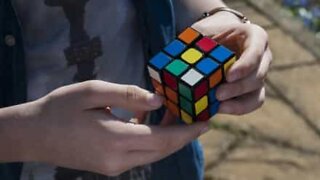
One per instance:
(187, 72)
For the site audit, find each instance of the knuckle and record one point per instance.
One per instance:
(58, 96)
(260, 30)
(59, 92)
(91, 83)
(270, 59)
(261, 33)
(54, 95)
(266, 35)
(132, 92)
(245, 26)
(260, 77)
(90, 87)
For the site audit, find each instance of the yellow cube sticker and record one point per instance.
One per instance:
(228, 65)
(192, 56)
(186, 117)
(201, 104)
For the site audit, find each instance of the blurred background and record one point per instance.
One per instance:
(280, 141)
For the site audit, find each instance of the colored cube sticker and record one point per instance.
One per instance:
(187, 72)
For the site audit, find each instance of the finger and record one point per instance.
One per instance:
(101, 94)
(221, 36)
(244, 104)
(249, 84)
(164, 142)
(163, 139)
(103, 116)
(265, 64)
(253, 49)
(231, 90)
(168, 119)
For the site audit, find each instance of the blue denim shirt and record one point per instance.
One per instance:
(157, 29)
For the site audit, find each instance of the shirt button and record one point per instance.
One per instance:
(10, 40)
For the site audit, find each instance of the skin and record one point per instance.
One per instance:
(73, 126)
(244, 90)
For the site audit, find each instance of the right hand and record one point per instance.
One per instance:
(72, 128)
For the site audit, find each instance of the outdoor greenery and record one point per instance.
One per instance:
(307, 10)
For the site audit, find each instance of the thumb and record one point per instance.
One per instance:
(167, 139)
(147, 144)
(104, 94)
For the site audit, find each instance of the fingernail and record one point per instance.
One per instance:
(154, 100)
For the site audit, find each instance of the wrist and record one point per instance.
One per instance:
(216, 23)
(18, 132)
(236, 13)
(226, 16)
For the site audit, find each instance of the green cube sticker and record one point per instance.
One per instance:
(177, 67)
(186, 105)
(185, 91)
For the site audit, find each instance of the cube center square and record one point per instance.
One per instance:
(187, 72)
(191, 56)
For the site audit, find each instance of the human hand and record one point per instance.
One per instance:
(244, 90)
(71, 127)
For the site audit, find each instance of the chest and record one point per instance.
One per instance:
(44, 21)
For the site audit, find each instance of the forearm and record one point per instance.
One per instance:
(196, 8)
(189, 11)
(16, 128)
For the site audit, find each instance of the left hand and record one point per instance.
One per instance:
(244, 90)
